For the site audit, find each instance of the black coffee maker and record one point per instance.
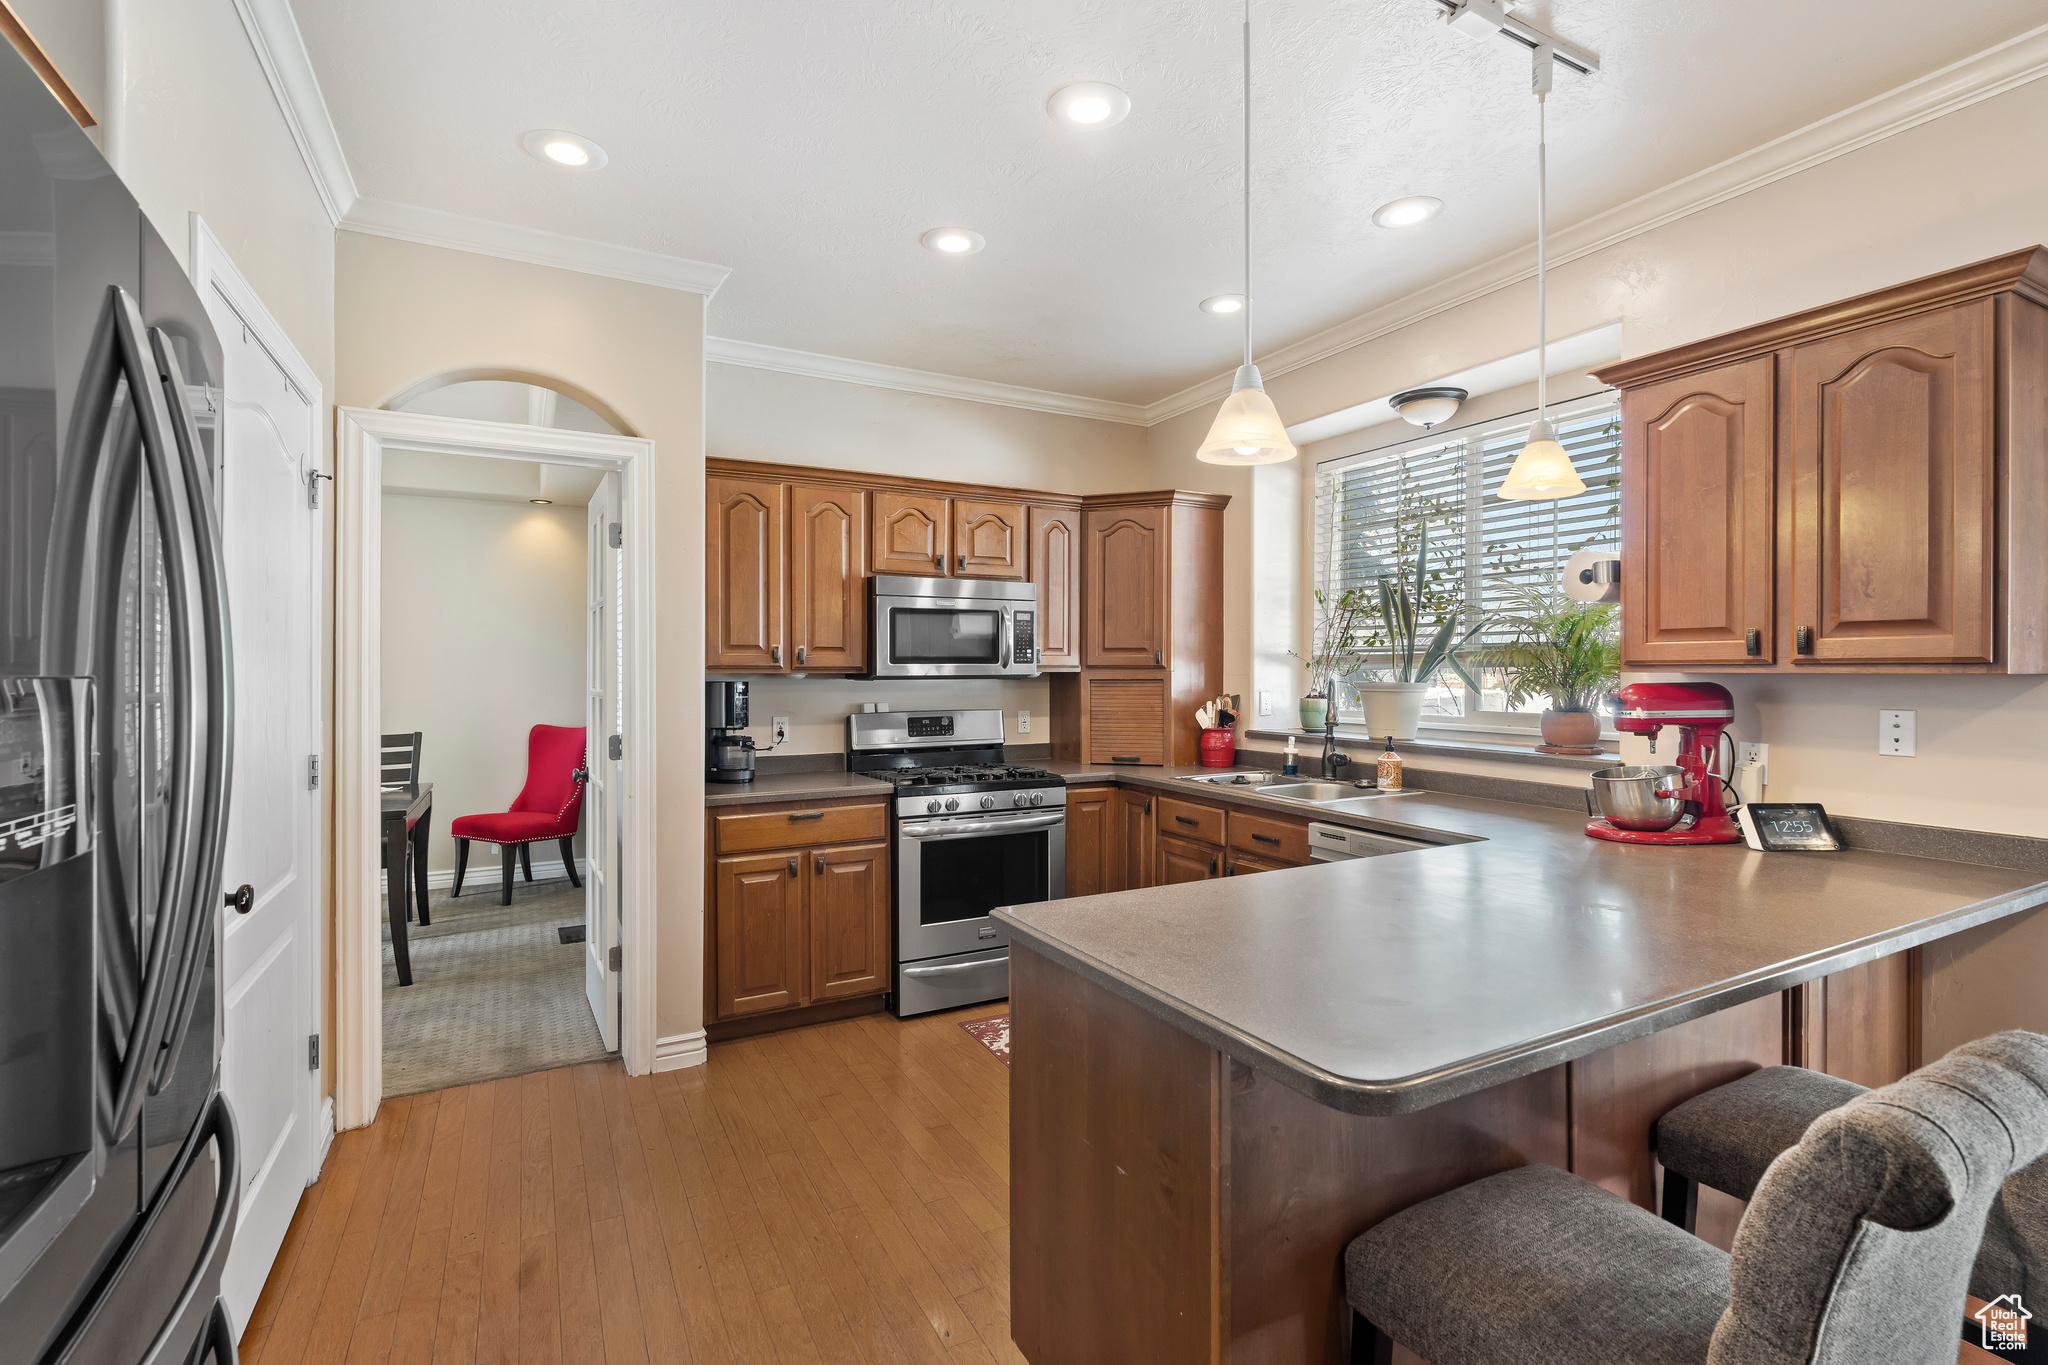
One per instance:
(728, 754)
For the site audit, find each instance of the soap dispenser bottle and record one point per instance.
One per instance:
(1390, 768)
(1288, 768)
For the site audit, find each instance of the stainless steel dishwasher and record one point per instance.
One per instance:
(1340, 843)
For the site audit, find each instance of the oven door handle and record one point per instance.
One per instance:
(957, 967)
(965, 830)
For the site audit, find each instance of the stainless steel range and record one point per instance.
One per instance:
(972, 833)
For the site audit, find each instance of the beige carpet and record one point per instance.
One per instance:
(495, 992)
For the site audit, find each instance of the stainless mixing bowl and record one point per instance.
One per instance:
(1636, 798)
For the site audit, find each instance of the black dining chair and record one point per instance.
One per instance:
(399, 770)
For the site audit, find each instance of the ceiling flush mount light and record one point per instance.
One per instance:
(1413, 211)
(542, 502)
(1088, 104)
(1248, 429)
(1223, 304)
(1426, 407)
(1543, 469)
(953, 241)
(565, 149)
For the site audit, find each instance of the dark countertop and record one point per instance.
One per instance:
(820, 786)
(1386, 985)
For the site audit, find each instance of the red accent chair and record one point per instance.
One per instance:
(549, 807)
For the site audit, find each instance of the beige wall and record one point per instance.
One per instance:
(483, 625)
(1969, 185)
(73, 35)
(405, 312)
(794, 419)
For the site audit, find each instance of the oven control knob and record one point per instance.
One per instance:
(1038, 798)
(932, 805)
(1020, 799)
(988, 803)
(952, 803)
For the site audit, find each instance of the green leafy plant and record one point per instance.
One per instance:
(1415, 652)
(1563, 650)
(1340, 626)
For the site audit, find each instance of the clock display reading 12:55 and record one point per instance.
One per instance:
(1788, 827)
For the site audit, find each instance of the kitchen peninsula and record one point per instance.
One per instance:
(1217, 1084)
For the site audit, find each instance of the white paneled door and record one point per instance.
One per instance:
(270, 453)
(604, 713)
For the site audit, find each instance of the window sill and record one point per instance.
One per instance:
(1439, 746)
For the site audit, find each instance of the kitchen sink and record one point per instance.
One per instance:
(1358, 803)
(1317, 792)
(1236, 779)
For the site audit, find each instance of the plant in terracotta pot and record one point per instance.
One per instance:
(1565, 651)
(1409, 653)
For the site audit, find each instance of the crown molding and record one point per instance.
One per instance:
(1972, 80)
(755, 356)
(508, 241)
(281, 50)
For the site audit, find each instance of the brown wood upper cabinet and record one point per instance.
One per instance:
(1054, 534)
(1697, 475)
(910, 533)
(988, 539)
(1124, 570)
(1853, 487)
(828, 596)
(745, 556)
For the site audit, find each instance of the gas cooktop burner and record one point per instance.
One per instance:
(969, 777)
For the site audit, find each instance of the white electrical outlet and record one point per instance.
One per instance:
(1760, 754)
(1023, 722)
(1895, 733)
(781, 729)
(1265, 703)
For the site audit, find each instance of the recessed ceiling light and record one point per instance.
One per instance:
(542, 502)
(954, 241)
(1088, 104)
(564, 149)
(1400, 213)
(1223, 303)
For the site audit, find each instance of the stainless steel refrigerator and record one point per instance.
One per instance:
(118, 1164)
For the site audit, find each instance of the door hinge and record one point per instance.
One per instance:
(313, 488)
(312, 772)
(616, 747)
(615, 957)
(313, 1052)
(615, 535)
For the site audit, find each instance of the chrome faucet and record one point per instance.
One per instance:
(1333, 757)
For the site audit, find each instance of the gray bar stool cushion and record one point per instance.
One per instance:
(1727, 1138)
(1858, 1243)
(1538, 1266)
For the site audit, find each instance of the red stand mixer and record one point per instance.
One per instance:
(1681, 804)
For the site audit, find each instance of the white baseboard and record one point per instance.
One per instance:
(323, 1138)
(679, 1050)
(487, 871)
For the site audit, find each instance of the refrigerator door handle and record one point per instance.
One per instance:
(219, 1126)
(214, 671)
(84, 561)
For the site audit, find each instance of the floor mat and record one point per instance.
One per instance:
(495, 991)
(992, 1033)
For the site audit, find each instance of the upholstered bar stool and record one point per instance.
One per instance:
(1856, 1246)
(1727, 1138)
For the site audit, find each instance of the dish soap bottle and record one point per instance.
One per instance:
(1390, 768)
(1288, 768)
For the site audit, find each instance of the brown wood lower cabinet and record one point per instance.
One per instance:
(1238, 864)
(1094, 862)
(1134, 826)
(802, 925)
(1184, 860)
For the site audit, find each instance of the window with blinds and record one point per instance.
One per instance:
(1372, 510)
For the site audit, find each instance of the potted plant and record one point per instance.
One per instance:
(1414, 653)
(1565, 651)
(1339, 622)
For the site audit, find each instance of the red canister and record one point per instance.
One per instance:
(1219, 747)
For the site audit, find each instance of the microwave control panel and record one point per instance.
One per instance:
(1022, 642)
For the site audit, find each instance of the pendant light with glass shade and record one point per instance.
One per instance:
(1543, 470)
(1247, 429)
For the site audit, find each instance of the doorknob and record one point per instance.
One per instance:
(243, 898)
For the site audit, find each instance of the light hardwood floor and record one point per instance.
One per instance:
(833, 1194)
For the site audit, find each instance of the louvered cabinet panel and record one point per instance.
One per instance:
(1124, 718)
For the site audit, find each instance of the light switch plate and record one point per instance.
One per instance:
(1895, 734)
(1023, 722)
(1265, 703)
(1761, 753)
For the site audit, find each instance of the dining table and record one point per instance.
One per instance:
(408, 811)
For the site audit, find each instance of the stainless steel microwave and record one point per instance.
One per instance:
(952, 628)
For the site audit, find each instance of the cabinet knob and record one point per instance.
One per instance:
(1212, 867)
(1802, 639)
(775, 654)
(963, 563)
(1753, 642)
(821, 864)
(792, 867)
(1158, 658)
(800, 653)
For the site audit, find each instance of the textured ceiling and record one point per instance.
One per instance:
(807, 143)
